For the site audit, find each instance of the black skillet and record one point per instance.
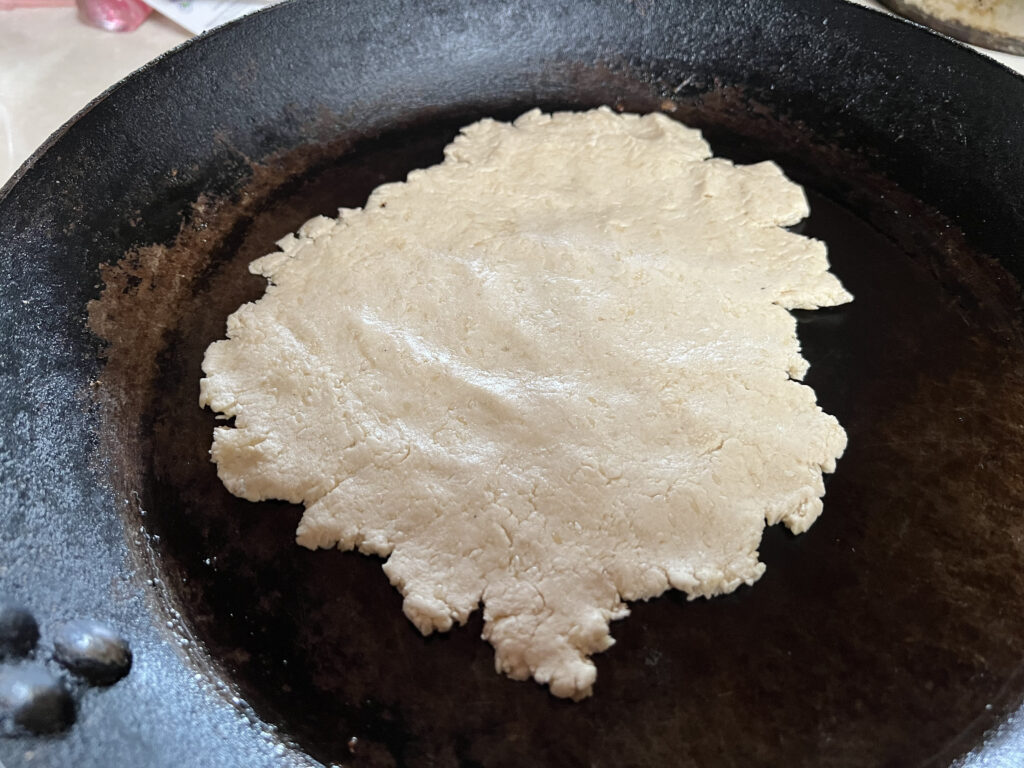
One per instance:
(891, 634)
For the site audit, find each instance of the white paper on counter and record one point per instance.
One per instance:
(200, 15)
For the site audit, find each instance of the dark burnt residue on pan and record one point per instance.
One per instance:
(888, 635)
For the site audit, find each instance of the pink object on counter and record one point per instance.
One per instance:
(114, 15)
(10, 5)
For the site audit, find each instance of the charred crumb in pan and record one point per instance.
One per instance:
(873, 588)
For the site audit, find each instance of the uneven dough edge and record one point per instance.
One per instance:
(253, 461)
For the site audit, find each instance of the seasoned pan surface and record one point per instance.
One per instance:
(890, 634)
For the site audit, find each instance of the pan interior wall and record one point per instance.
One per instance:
(880, 637)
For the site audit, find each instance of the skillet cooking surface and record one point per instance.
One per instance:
(890, 634)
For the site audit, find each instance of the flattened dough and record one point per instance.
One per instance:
(554, 373)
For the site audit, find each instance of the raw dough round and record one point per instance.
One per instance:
(554, 373)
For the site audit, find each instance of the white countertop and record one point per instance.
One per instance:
(52, 64)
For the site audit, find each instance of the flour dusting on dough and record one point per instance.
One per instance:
(554, 373)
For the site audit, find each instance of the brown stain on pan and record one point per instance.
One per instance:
(889, 635)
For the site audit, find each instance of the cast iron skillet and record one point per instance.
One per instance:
(891, 634)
